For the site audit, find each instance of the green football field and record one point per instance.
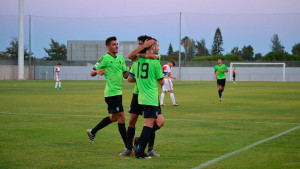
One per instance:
(257, 125)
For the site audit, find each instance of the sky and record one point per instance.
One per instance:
(242, 22)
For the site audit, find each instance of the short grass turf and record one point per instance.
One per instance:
(45, 128)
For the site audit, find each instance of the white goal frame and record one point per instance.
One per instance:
(243, 63)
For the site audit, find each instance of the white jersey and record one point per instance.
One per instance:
(166, 69)
(57, 73)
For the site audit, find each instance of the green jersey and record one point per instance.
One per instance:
(114, 68)
(220, 75)
(147, 72)
(136, 90)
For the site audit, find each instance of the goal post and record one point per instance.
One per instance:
(243, 63)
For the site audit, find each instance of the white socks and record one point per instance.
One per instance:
(162, 96)
(56, 84)
(59, 83)
(172, 98)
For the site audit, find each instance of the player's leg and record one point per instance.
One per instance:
(159, 122)
(162, 96)
(56, 84)
(219, 89)
(172, 93)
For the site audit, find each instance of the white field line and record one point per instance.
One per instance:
(243, 149)
(186, 120)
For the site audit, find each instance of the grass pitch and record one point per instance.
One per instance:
(45, 128)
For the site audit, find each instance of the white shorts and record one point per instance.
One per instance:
(168, 86)
(57, 77)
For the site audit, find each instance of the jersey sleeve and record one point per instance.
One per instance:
(100, 64)
(158, 72)
(225, 67)
(133, 70)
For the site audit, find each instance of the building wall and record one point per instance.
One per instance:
(93, 50)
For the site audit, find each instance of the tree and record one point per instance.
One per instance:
(185, 43)
(236, 51)
(277, 56)
(12, 51)
(247, 53)
(170, 50)
(57, 51)
(258, 56)
(201, 48)
(191, 49)
(276, 44)
(296, 49)
(218, 43)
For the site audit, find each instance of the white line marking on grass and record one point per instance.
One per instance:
(186, 120)
(243, 149)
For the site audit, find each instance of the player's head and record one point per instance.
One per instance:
(58, 64)
(171, 63)
(112, 45)
(219, 62)
(141, 41)
(154, 48)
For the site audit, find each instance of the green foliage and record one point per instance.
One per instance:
(278, 56)
(247, 53)
(236, 51)
(191, 50)
(276, 44)
(56, 51)
(12, 51)
(201, 49)
(227, 57)
(296, 49)
(258, 56)
(218, 43)
(170, 50)
(185, 42)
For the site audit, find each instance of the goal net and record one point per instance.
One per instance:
(258, 71)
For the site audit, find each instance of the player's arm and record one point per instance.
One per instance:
(131, 78)
(98, 69)
(161, 81)
(221, 70)
(158, 73)
(148, 56)
(216, 74)
(170, 76)
(95, 72)
(126, 74)
(134, 53)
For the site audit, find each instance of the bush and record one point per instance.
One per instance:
(277, 56)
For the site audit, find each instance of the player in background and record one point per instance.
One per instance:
(220, 70)
(168, 86)
(136, 109)
(233, 75)
(114, 69)
(57, 76)
(147, 74)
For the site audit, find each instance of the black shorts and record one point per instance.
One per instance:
(136, 108)
(233, 76)
(221, 82)
(114, 104)
(151, 111)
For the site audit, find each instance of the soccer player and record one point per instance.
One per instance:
(114, 69)
(136, 109)
(220, 70)
(233, 75)
(147, 74)
(168, 86)
(57, 77)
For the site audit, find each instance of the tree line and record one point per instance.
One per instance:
(197, 51)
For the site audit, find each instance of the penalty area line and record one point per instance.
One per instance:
(244, 149)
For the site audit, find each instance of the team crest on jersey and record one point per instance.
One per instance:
(118, 108)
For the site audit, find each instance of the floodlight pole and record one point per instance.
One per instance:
(21, 41)
(179, 50)
(29, 57)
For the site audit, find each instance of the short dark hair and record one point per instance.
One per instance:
(143, 38)
(58, 64)
(108, 40)
(172, 62)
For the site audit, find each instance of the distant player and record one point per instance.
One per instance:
(168, 86)
(114, 69)
(57, 76)
(233, 75)
(220, 70)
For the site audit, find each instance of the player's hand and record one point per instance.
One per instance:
(148, 43)
(100, 72)
(174, 78)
